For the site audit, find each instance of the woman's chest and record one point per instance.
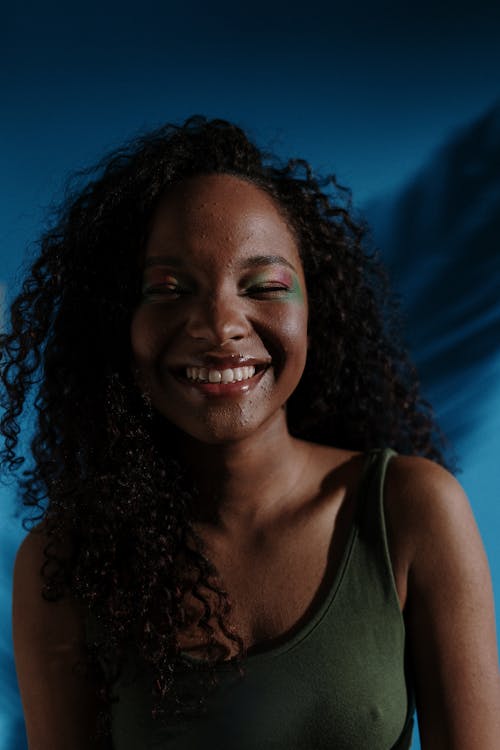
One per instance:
(272, 588)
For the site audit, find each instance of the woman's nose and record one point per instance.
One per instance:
(218, 319)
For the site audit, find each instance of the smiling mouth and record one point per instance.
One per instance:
(211, 380)
(225, 376)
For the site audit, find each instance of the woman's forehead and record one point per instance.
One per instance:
(218, 196)
(222, 214)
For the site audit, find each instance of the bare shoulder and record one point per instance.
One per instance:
(60, 707)
(419, 482)
(441, 568)
(61, 616)
(31, 549)
(47, 635)
(434, 535)
(427, 511)
(30, 558)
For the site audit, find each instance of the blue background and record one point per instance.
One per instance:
(401, 104)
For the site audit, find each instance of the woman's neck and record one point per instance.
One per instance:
(246, 483)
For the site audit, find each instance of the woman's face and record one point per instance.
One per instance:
(219, 339)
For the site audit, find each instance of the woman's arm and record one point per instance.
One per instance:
(449, 607)
(60, 708)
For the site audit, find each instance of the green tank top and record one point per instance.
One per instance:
(339, 682)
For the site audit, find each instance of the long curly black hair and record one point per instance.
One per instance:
(96, 477)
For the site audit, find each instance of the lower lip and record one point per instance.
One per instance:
(217, 390)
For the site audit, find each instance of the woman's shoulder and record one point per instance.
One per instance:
(30, 558)
(420, 496)
(416, 472)
(35, 616)
(431, 528)
(442, 573)
(31, 548)
(60, 707)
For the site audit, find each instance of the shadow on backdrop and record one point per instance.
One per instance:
(440, 239)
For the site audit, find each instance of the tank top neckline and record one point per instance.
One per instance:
(263, 653)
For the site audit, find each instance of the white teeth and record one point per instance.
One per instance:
(214, 376)
(203, 374)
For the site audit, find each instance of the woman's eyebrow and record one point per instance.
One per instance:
(256, 261)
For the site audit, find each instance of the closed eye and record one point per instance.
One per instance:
(271, 289)
(168, 290)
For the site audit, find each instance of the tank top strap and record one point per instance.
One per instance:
(371, 577)
(370, 516)
(371, 487)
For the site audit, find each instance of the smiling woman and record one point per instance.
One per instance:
(227, 550)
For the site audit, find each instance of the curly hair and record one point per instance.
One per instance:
(133, 553)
